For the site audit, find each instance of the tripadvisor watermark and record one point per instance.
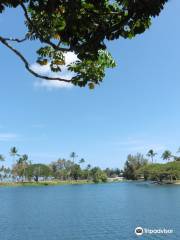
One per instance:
(139, 231)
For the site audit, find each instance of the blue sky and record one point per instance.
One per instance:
(136, 107)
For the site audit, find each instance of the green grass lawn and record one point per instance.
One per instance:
(45, 183)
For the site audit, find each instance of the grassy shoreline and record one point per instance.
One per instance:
(77, 182)
(53, 183)
(68, 182)
(44, 183)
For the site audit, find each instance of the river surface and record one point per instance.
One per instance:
(89, 212)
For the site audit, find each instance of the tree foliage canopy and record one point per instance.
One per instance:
(132, 164)
(82, 27)
(159, 172)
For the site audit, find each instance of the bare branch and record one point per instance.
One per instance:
(16, 39)
(27, 65)
(39, 34)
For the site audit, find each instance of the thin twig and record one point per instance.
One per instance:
(16, 39)
(27, 65)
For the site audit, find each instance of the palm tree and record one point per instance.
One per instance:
(178, 151)
(166, 155)
(2, 167)
(151, 154)
(89, 166)
(2, 158)
(14, 153)
(73, 156)
(25, 158)
(82, 160)
(177, 158)
(23, 161)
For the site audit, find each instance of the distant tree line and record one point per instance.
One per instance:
(62, 169)
(140, 167)
(136, 167)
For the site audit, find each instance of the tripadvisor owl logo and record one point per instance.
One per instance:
(139, 231)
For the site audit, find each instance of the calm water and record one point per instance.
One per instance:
(85, 212)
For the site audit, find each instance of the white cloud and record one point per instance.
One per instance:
(70, 57)
(45, 70)
(52, 84)
(7, 136)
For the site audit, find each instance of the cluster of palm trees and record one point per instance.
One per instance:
(73, 156)
(21, 163)
(4, 172)
(166, 155)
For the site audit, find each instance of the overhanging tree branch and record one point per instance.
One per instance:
(16, 39)
(27, 65)
(56, 47)
(64, 26)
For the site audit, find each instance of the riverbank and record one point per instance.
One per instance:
(44, 183)
(177, 182)
(57, 182)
